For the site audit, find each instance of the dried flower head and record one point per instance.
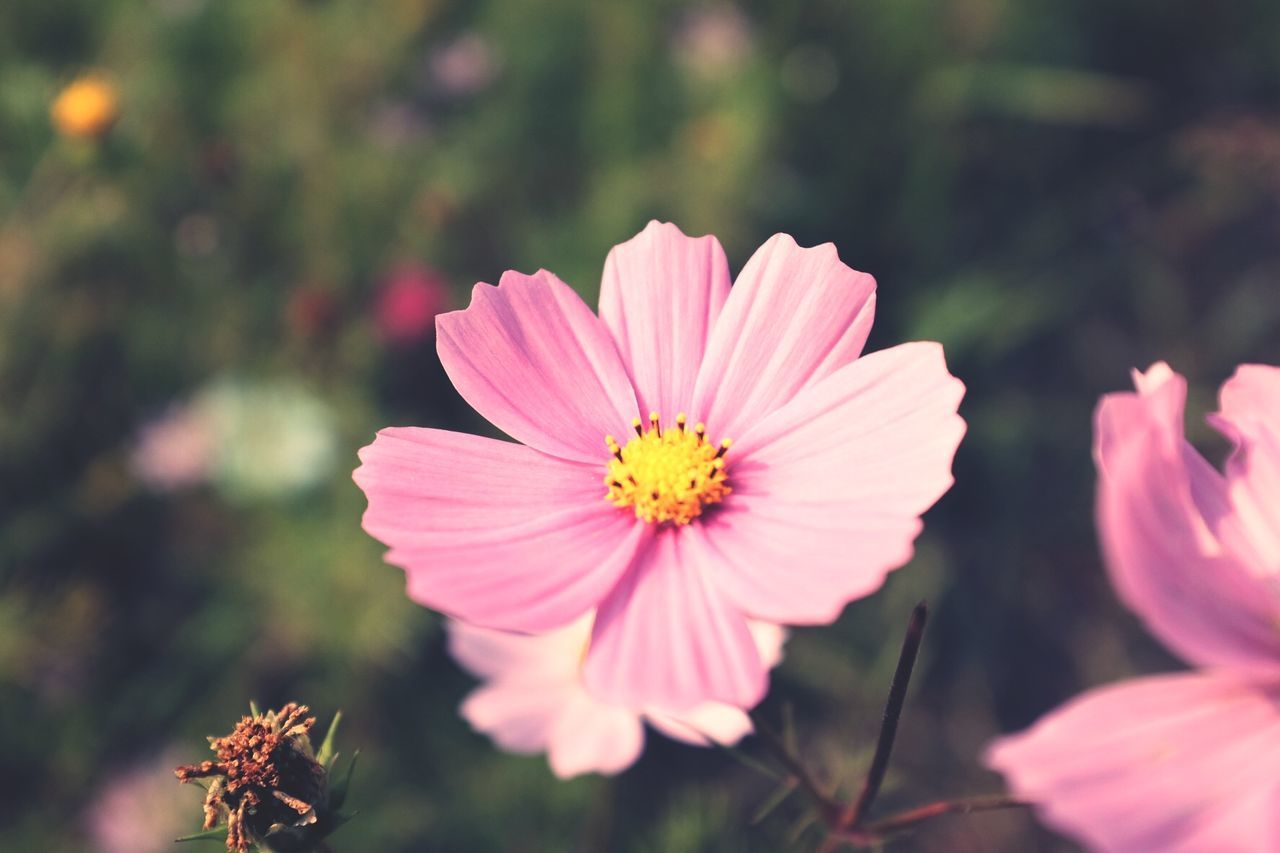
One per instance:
(266, 780)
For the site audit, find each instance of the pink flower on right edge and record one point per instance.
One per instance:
(534, 699)
(1190, 761)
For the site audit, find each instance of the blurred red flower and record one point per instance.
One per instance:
(408, 299)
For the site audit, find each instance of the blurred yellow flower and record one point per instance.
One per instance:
(87, 107)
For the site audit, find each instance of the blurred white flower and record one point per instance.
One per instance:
(250, 440)
(273, 439)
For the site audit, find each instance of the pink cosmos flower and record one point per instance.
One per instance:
(534, 699)
(619, 499)
(1185, 762)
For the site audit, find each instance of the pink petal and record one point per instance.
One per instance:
(661, 294)
(531, 357)
(1253, 393)
(715, 721)
(591, 737)
(549, 658)
(769, 640)
(1187, 762)
(516, 718)
(1250, 416)
(665, 637)
(536, 700)
(492, 532)
(701, 724)
(1164, 558)
(794, 317)
(828, 490)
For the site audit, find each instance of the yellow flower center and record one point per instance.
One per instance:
(666, 476)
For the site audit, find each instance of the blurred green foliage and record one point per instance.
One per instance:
(1058, 191)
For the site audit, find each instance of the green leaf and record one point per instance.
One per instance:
(253, 709)
(746, 760)
(806, 821)
(789, 737)
(218, 833)
(326, 756)
(338, 790)
(776, 799)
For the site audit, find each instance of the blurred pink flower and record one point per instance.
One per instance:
(465, 65)
(1185, 762)
(142, 809)
(407, 302)
(712, 40)
(676, 540)
(176, 450)
(534, 700)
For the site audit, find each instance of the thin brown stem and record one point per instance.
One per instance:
(892, 713)
(853, 815)
(847, 824)
(875, 831)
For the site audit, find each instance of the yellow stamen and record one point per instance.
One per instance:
(666, 476)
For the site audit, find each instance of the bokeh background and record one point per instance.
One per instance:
(210, 302)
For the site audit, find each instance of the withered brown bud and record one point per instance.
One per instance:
(267, 783)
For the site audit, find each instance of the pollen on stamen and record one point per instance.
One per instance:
(666, 476)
